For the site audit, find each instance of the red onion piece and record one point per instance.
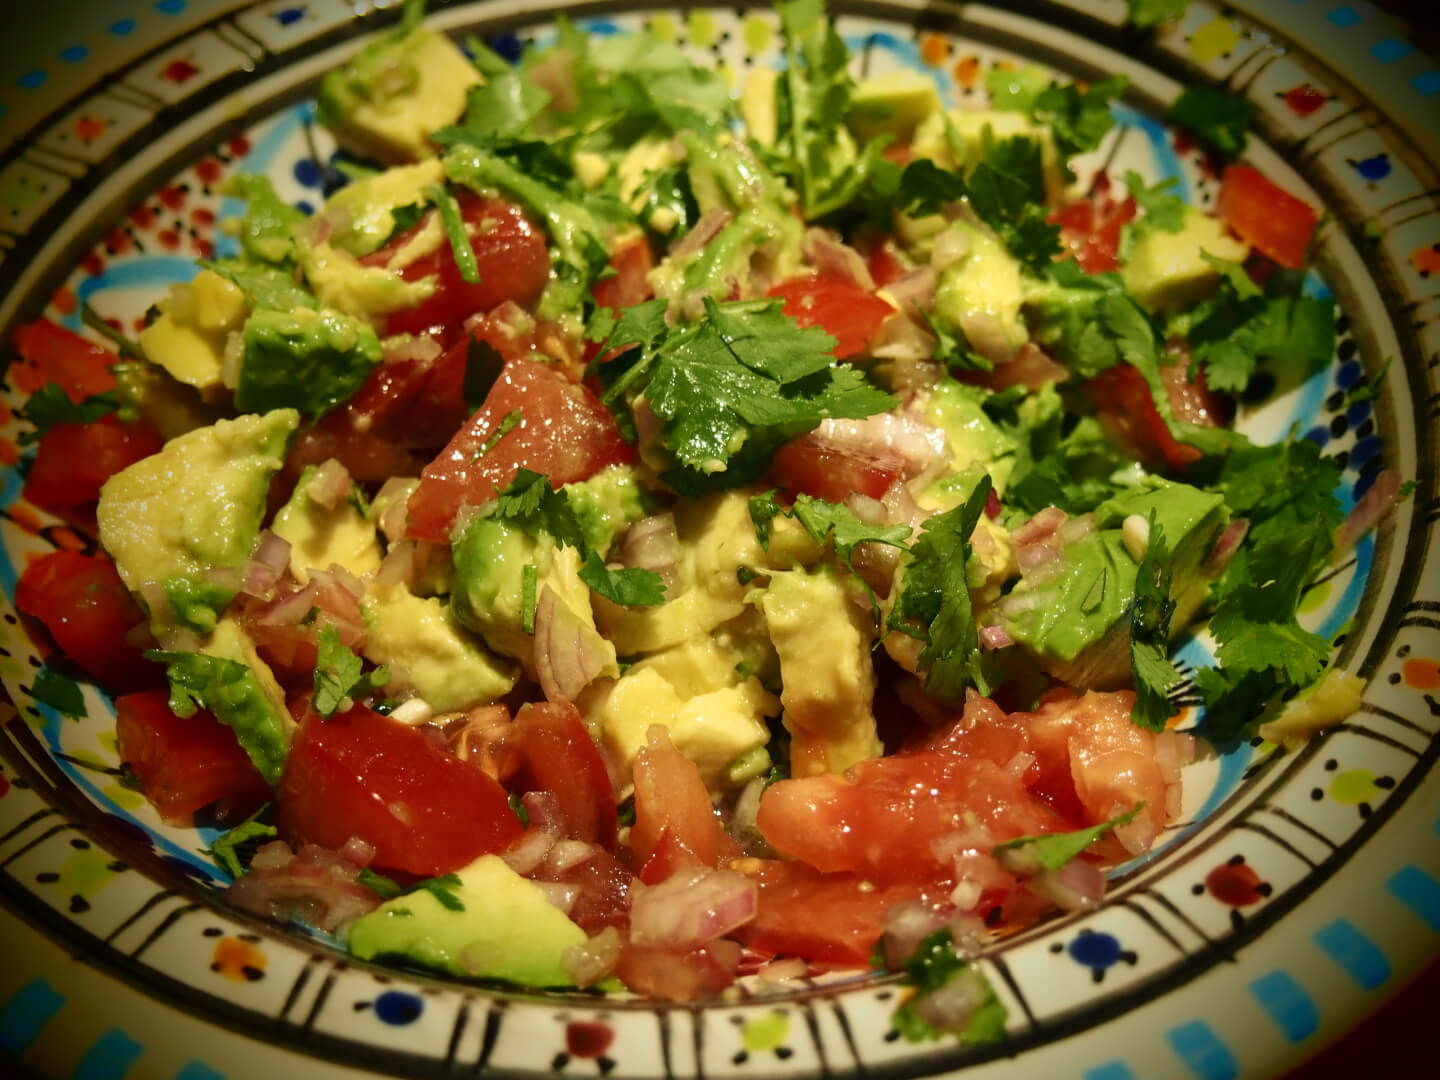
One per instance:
(569, 653)
(266, 565)
(915, 288)
(918, 443)
(653, 543)
(587, 964)
(314, 885)
(1227, 545)
(1372, 508)
(995, 637)
(329, 483)
(1033, 557)
(691, 908)
(705, 230)
(1077, 886)
(831, 258)
(1039, 526)
(1031, 367)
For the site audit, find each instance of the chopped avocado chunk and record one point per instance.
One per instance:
(194, 506)
(498, 926)
(979, 295)
(1166, 270)
(973, 438)
(892, 104)
(320, 536)
(188, 338)
(394, 92)
(306, 360)
(170, 406)
(363, 212)
(714, 715)
(824, 640)
(363, 292)
(428, 652)
(1074, 617)
(955, 139)
(268, 229)
(607, 504)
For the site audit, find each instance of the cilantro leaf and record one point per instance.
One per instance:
(1007, 191)
(531, 502)
(59, 691)
(529, 596)
(339, 677)
(270, 225)
(51, 405)
(1153, 673)
(449, 211)
(628, 587)
(934, 964)
(763, 511)
(822, 519)
(405, 218)
(1032, 854)
(952, 351)
(934, 601)
(1218, 119)
(508, 423)
(387, 888)
(438, 887)
(1148, 13)
(925, 187)
(224, 849)
(1161, 211)
(1079, 120)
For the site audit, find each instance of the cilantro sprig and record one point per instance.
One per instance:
(1033, 854)
(934, 964)
(51, 405)
(59, 691)
(230, 847)
(1218, 119)
(340, 677)
(1150, 666)
(441, 887)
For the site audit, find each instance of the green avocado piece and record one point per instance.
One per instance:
(1076, 621)
(303, 359)
(607, 504)
(891, 104)
(499, 926)
(194, 506)
(973, 437)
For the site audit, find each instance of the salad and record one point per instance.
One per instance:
(639, 534)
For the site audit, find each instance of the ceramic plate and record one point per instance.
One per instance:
(1295, 893)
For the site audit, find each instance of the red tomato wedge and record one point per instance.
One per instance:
(1266, 216)
(89, 612)
(72, 461)
(50, 353)
(509, 253)
(1127, 408)
(632, 263)
(841, 308)
(186, 763)
(601, 885)
(670, 798)
(1090, 227)
(564, 432)
(563, 760)
(359, 774)
(831, 471)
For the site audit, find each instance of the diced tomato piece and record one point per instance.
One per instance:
(830, 471)
(629, 285)
(841, 308)
(671, 797)
(564, 432)
(563, 760)
(50, 353)
(88, 611)
(72, 461)
(1090, 227)
(678, 976)
(884, 263)
(359, 774)
(901, 153)
(1266, 216)
(831, 918)
(509, 253)
(185, 763)
(602, 890)
(1127, 407)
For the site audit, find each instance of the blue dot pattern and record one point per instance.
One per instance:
(1112, 1070)
(1390, 50)
(74, 54)
(1344, 17)
(1356, 954)
(397, 1008)
(170, 7)
(1288, 1005)
(1418, 891)
(25, 1015)
(1201, 1050)
(1097, 950)
(109, 1057)
(32, 79)
(123, 27)
(195, 1070)
(307, 173)
(1427, 82)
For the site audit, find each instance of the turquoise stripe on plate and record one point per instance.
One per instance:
(1419, 892)
(27, 1012)
(1288, 1005)
(1344, 17)
(195, 1070)
(109, 1057)
(1354, 952)
(1111, 1070)
(1202, 1051)
(1390, 50)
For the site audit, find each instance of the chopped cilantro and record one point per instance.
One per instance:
(1368, 389)
(405, 219)
(51, 405)
(438, 887)
(529, 591)
(339, 678)
(508, 423)
(1007, 191)
(954, 352)
(1218, 119)
(822, 519)
(386, 888)
(449, 211)
(628, 588)
(934, 964)
(127, 347)
(517, 804)
(1154, 675)
(1161, 211)
(925, 187)
(530, 502)
(59, 691)
(225, 848)
(1079, 119)
(1032, 854)
(763, 511)
(934, 601)
(625, 813)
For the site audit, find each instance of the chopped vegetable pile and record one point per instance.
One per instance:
(633, 533)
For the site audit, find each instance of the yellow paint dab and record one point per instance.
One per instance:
(1213, 40)
(765, 1032)
(238, 960)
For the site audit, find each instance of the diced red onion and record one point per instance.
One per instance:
(901, 506)
(569, 653)
(783, 971)
(1030, 367)
(590, 962)
(559, 894)
(918, 443)
(950, 1006)
(691, 908)
(1033, 557)
(867, 508)
(1075, 528)
(228, 578)
(1039, 526)
(568, 853)
(357, 851)
(1372, 508)
(329, 483)
(995, 637)
(529, 851)
(914, 288)
(420, 348)
(266, 565)
(313, 885)
(1077, 886)
(1136, 836)
(705, 230)
(906, 925)
(652, 543)
(1227, 545)
(831, 258)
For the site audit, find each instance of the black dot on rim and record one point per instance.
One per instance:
(1316, 794)
(10, 619)
(1385, 783)
(35, 663)
(47, 877)
(1404, 650)
(891, 1035)
(1365, 810)
(212, 931)
(1342, 459)
(559, 1061)
(360, 1006)
(79, 843)
(1364, 429)
(1057, 948)
(1236, 860)
(1346, 349)
(1338, 426)
(1197, 889)
(740, 1057)
(1335, 401)
(1394, 678)
(783, 1052)
(1342, 324)
(1256, 741)
(1331, 765)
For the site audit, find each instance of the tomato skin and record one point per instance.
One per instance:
(632, 263)
(1127, 407)
(1265, 215)
(841, 308)
(602, 884)
(50, 353)
(671, 798)
(830, 471)
(72, 461)
(677, 976)
(564, 432)
(509, 253)
(563, 760)
(358, 773)
(88, 611)
(1090, 227)
(884, 263)
(185, 763)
